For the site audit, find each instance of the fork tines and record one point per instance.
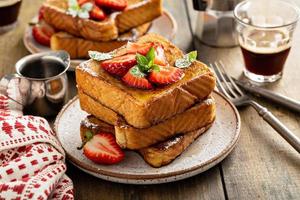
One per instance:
(224, 82)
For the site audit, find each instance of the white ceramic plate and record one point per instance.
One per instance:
(164, 25)
(207, 151)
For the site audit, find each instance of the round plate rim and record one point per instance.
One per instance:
(211, 162)
(74, 62)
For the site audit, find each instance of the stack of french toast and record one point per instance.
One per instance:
(154, 99)
(78, 26)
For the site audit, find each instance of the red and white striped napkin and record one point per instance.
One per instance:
(32, 161)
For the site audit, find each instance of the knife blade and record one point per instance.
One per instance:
(287, 102)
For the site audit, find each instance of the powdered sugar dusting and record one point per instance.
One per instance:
(85, 67)
(87, 123)
(209, 101)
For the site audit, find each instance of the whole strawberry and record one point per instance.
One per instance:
(102, 148)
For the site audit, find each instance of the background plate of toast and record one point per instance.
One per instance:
(164, 25)
(205, 152)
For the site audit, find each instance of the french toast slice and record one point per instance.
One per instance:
(78, 47)
(98, 110)
(128, 137)
(165, 152)
(136, 13)
(156, 155)
(144, 108)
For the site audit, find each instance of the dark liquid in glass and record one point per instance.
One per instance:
(9, 11)
(266, 64)
(265, 51)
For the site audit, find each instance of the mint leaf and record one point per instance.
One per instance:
(192, 56)
(151, 54)
(72, 3)
(150, 63)
(141, 60)
(146, 63)
(87, 7)
(75, 10)
(95, 55)
(187, 60)
(182, 63)
(155, 68)
(72, 12)
(137, 72)
(83, 14)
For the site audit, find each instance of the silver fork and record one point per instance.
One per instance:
(230, 89)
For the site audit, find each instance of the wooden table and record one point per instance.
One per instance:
(262, 166)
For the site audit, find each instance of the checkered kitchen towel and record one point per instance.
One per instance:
(32, 161)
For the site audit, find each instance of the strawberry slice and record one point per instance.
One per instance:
(42, 33)
(119, 65)
(41, 13)
(47, 29)
(103, 149)
(166, 75)
(97, 13)
(160, 58)
(81, 2)
(141, 48)
(118, 5)
(135, 78)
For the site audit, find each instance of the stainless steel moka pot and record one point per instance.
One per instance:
(215, 24)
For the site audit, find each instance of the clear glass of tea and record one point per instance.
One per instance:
(265, 30)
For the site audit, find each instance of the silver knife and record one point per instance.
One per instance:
(277, 98)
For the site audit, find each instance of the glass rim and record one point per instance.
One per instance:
(267, 27)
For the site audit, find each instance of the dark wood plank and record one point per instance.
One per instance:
(263, 165)
(203, 186)
(207, 185)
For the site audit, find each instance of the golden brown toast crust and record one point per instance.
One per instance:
(78, 47)
(165, 152)
(143, 108)
(157, 155)
(129, 137)
(55, 15)
(95, 108)
(137, 13)
(192, 119)
(91, 123)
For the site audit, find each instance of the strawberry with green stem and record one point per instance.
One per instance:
(142, 70)
(136, 76)
(101, 148)
(158, 74)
